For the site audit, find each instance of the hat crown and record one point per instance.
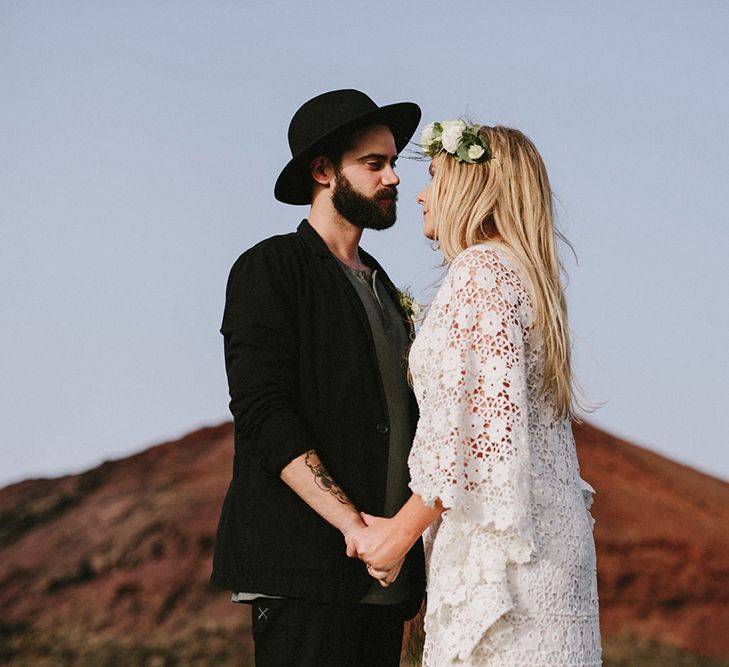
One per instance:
(319, 115)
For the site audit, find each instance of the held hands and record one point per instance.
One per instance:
(383, 543)
(379, 545)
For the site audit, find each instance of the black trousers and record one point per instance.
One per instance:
(300, 633)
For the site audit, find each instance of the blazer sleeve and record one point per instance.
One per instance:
(261, 349)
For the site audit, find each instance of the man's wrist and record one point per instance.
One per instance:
(352, 524)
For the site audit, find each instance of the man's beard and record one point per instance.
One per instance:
(378, 212)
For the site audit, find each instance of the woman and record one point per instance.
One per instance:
(511, 574)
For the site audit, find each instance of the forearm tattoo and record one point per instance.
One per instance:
(323, 479)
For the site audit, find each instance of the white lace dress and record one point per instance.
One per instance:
(511, 567)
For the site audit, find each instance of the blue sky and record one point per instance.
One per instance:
(141, 142)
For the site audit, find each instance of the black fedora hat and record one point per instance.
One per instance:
(320, 118)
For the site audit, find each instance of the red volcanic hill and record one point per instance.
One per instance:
(111, 566)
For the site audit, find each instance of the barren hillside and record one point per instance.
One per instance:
(114, 563)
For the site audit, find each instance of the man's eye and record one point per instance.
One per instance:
(374, 165)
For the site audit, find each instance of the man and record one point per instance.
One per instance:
(315, 348)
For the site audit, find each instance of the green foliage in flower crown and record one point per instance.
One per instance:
(435, 146)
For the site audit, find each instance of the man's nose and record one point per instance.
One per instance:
(389, 177)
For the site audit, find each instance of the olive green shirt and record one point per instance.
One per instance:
(391, 347)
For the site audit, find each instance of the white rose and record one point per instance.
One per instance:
(453, 123)
(427, 135)
(452, 134)
(475, 152)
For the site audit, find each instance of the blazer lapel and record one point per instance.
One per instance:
(319, 248)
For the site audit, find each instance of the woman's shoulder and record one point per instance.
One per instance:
(489, 262)
(490, 274)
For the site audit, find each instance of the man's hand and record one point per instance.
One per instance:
(349, 535)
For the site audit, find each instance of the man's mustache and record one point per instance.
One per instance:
(387, 193)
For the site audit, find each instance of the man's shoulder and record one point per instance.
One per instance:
(271, 251)
(273, 244)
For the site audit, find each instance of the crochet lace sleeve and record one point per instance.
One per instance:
(471, 448)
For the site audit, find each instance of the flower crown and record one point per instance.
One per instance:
(455, 137)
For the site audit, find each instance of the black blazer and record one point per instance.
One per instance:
(303, 374)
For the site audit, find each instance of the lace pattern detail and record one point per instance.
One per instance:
(511, 566)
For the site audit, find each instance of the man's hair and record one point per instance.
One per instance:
(339, 143)
(334, 146)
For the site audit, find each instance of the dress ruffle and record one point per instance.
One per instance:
(587, 493)
(471, 590)
(494, 493)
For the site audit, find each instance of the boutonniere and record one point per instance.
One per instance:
(408, 303)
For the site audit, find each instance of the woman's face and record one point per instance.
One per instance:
(424, 200)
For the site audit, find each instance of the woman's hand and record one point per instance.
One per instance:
(386, 577)
(381, 545)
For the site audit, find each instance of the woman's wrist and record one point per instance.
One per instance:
(404, 532)
(414, 517)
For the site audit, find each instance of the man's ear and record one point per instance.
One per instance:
(322, 170)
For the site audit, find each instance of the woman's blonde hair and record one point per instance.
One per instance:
(508, 198)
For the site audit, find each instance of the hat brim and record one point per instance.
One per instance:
(293, 185)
